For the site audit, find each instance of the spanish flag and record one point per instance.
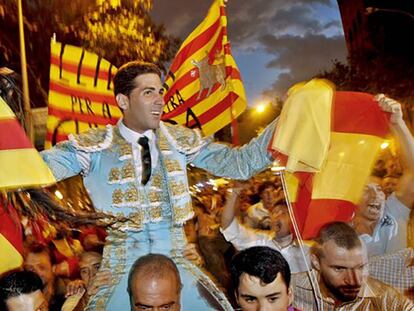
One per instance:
(20, 164)
(80, 93)
(203, 85)
(333, 157)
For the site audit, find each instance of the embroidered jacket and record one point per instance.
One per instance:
(111, 178)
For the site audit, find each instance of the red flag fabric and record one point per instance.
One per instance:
(11, 239)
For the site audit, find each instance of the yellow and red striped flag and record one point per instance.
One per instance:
(330, 191)
(80, 93)
(11, 238)
(20, 164)
(203, 86)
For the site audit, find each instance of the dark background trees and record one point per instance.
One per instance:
(117, 33)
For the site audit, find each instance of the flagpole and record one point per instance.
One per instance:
(234, 128)
(234, 124)
(312, 278)
(26, 100)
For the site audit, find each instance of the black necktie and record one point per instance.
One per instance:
(146, 159)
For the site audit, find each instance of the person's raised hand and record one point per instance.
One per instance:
(392, 106)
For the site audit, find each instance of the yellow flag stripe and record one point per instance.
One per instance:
(349, 163)
(10, 257)
(79, 105)
(87, 83)
(24, 168)
(5, 110)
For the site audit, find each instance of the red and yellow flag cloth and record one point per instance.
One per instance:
(11, 241)
(337, 138)
(203, 86)
(80, 92)
(20, 164)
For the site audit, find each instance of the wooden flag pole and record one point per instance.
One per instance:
(26, 99)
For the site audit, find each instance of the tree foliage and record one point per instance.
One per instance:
(123, 33)
(119, 34)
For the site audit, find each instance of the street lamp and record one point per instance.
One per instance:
(370, 10)
(260, 108)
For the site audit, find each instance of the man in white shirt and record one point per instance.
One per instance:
(269, 197)
(382, 222)
(279, 237)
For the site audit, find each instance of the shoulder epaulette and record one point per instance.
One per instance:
(93, 140)
(183, 139)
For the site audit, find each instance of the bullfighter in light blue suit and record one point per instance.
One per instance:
(150, 213)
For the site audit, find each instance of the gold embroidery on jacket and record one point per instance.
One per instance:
(178, 188)
(117, 197)
(131, 194)
(125, 151)
(155, 213)
(114, 175)
(157, 181)
(154, 197)
(173, 165)
(128, 171)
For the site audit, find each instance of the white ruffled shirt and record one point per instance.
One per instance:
(132, 137)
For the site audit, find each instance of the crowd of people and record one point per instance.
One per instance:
(228, 247)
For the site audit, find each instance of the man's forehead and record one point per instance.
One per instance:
(373, 191)
(249, 282)
(150, 281)
(90, 260)
(373, 186)
(37, 258)
(337, 255)
(147, 80)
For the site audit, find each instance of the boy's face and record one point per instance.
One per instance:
(253, 294)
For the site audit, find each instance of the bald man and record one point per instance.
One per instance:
(154, 283)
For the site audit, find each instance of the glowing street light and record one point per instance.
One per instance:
(260, 108)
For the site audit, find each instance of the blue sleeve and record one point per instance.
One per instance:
(62, 160)
(237, 163)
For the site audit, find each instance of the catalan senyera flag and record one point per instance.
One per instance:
(11, 239)
(203, 86)
(330, 189)
(80, 92)
(20, 164)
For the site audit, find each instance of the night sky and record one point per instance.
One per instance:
(276, 43)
